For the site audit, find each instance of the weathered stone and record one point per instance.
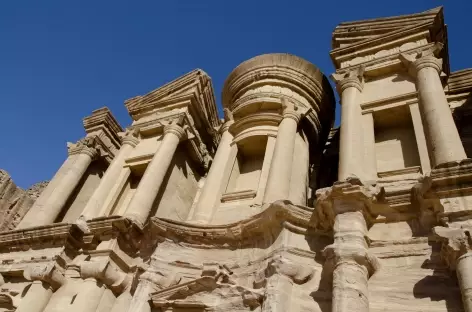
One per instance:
(182, 211)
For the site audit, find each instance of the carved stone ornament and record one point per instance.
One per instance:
(131, 137)
(87, 145)
(105, 272)
(456, 242)
(426, 58)
(215, 280)
(48, 273)
(298, 273)
(352, 78)
(352, 190)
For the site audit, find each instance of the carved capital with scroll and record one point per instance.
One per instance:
(427, 58)
(87, 145)
(350, 79)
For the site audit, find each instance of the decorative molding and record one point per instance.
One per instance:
(368, 198)
(239, 195)
(57, 234)
(397, 172)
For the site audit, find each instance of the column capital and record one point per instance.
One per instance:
(176, 129)
(48, 273)
(228, 120)
(456, 244)
(350, 79)
(224, 127)
(336, 254)
(289, 110)
(423, 59)
(347, 196)
(131, 137)
(87, 145)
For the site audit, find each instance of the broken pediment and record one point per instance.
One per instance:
(193, 90)
(380, 40)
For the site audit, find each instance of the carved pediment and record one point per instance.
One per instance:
(194, 87)
(211, 290)
(381, 40)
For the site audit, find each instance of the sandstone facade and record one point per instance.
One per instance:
(269, 209)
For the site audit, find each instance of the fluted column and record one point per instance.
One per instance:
(46, 279)
(441, 132)
(456, 252)
(94, 205)
(351, 144)
(51, 201)
(148, 188)
(278, 182)
(348, 258)
(213, 186)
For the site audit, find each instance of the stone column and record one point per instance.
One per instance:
(440, 130)
(46, 279)
(278, 183)
(148, 188)
(52, 200)
(89, 296)
(351, 144)
(456, 252)
(348, 258)
(111, 176)
(278, 278)
(212, 188)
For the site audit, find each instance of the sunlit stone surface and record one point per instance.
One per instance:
(269, 208)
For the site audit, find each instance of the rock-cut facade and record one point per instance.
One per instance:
(270, 208)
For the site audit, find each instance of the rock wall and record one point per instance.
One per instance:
(14, 201)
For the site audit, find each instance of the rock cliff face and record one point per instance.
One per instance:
(14, 201)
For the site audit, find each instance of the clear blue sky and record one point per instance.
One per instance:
(59, 60)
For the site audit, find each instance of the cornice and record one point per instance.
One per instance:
(57, 234)
(363, 30)
(102, 120)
